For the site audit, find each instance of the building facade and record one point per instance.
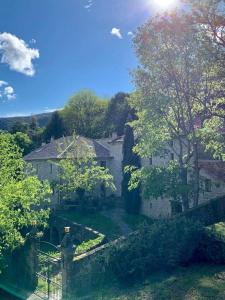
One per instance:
(107, 152)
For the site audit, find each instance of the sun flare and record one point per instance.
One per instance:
(164, 4)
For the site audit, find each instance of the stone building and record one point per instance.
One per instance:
(107, 152)
(212, 182)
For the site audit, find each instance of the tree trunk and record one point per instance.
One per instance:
(196, 176)
(184, 181)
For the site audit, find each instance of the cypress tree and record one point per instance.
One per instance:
(132, 199)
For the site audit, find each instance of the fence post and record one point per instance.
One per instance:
(67, 254)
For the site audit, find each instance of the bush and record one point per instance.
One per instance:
(163, 245)
(212, 247)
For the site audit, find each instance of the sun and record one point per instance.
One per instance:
(164, 4)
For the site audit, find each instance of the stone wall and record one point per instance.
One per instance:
(208, 213)
(89, 271)
(20, 275)
(79, 232)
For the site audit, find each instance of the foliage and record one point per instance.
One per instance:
(131, 196)
(23, 141)
(18, 126)
(212, 248)
(179, 93)
(136, 221)
(160, 181)
(55, 128)
(20, 194)
(163, 245)
(85, 114)
(80, 171)
(210, 15)
(196, 282)
(89, 245)
(117, 113)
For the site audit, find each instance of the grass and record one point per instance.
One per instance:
(86, 246)
(135, 221)
(95, 221)
(198, 282)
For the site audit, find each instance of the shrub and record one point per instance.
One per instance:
(163, 245)
(212, 247)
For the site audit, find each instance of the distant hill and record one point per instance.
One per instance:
(42, 119)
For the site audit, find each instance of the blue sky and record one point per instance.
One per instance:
(49, 49)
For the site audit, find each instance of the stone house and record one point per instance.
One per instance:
(212, 182)
(107, 152)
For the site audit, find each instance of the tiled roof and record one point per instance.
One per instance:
(59, 148)
(215, 169)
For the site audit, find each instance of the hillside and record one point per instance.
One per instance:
(42, 119)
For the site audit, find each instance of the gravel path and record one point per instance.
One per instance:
(117, 217)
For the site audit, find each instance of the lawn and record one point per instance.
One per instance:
(198, 282)
(95, 221)
(135, 221)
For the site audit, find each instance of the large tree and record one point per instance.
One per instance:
(210, 15)
(117, 113)
(55, 128)
(179, 94)
(20, 196)
(85, 114)
(130, 158)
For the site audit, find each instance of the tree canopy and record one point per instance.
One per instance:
(80, 172)
(117, 113)
(55, 128)
(179, 93)
(20, 194)
(85, 114)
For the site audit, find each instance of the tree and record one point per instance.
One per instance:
(130, 196)
(80, 171)
(55, 128)
(179, 94)
(23, 141)
(210, 15)
(117, 113)
(85, 115)
(33, 124)
(19, 126)
(21, 193)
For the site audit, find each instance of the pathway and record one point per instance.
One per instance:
(116, 215)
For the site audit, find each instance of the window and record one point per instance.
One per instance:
(176, 207)
(37, 168)
(171, 144)
(150, 161)
(103, 164)
(208, 185)
(171, 156)
(51, 168)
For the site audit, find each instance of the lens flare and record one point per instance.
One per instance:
(164, 4)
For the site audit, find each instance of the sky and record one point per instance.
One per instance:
(51, 49)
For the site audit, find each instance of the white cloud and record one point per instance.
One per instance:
(130, 33)
(3, 83)
(32, 41)
(116, 31)
(48, 110)
(16, 53)
(6, 91)
(9, 93)
(89, 4)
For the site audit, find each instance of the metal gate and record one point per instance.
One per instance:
(49, 274)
